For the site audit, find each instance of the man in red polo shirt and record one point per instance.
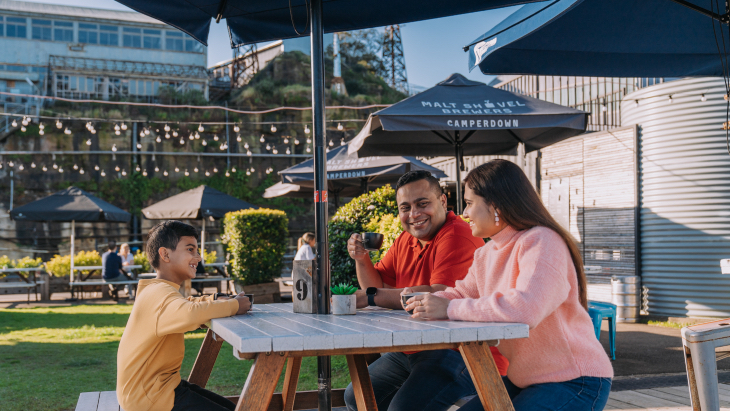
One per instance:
(435, 249)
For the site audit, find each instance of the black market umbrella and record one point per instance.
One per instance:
(617, 38)
(70, 205)
(463, 117)
(197, 204)
(350, 175)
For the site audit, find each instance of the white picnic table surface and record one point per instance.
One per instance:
(20, 270)
(274, 327)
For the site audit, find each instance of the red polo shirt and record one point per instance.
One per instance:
(443, 260)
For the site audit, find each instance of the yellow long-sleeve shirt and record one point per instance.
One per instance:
(152, 347)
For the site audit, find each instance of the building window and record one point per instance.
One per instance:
(16, 27)
(88, 33)
(41, 29)
(16, 69)
(108, 35)
(40, 70)
(192, 45)
(174, 41)
(152, 39)
(132, 37)
(2, 27)
(63, 31)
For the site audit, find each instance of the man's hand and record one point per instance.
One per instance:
(361, 299)
(407, 290)
(355, 248)
(429, 307)
(244, 305)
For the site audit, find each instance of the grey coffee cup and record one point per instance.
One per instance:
(406, 297)
(372, 241)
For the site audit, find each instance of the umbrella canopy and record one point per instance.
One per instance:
(254, 21)
(618, 38)
(287, 190)
(195, 204)
(71, 204)
(458, 112)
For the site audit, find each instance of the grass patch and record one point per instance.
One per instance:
(667, 324)
(50, 355)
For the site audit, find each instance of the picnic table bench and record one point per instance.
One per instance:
(273, 336)
(24, 281)
(94, 269)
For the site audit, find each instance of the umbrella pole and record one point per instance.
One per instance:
(202, 238)
(459, 161)
(73, 239)
(324, 370)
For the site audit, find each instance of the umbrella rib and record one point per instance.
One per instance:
(512, 133)
(466, 137)
(447, 139)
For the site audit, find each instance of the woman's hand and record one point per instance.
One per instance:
(428, 307)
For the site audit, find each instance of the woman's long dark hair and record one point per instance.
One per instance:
(504, 186)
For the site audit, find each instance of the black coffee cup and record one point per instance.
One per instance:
(372, 241)
(250, 297)
(406, 297)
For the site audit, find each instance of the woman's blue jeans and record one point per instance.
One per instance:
(424, 381)
(580, 394)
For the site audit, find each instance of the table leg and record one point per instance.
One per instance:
(293, 365)
(484, 373)
(261, 382)
(206, 359)
(361, 383)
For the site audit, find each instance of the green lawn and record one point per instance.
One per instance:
(50, 355)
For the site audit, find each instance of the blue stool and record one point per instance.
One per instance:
(598, 311)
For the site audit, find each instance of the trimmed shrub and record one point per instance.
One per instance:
(256, 241)
(389, 225)
(352, 218)
(27, 262)
(5, 262)
(140, 258)
(61, 265)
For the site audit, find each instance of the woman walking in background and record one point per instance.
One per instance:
(305, 246)
(530, 272)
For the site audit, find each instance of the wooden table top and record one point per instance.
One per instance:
(274, 327)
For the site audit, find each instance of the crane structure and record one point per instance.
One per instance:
(394, 60)
(244, 66)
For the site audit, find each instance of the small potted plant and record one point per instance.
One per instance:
(343, 299)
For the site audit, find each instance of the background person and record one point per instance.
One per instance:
(435, 249)
(112, 269)
(126, 255)
(532, 273)
(305, 247)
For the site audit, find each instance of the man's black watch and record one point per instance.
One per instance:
(371, 291)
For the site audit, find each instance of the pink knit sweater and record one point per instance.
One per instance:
(528, 277)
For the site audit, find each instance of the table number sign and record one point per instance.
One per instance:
(304, 288)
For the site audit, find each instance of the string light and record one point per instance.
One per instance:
(157, 169)
(224, 146)
(233, 170)
(186, 173)
(59, 125)
(114, 147)
(167, 136)
(215, 170)
(253, 170)
(67, 131)
(248, 152)
(158, 139)
(207, 173)
(139, 146)
(32, 165)
(195, 169)
(137, 168)
(703, 98)
(200, 128)
(144, 173)
(296, 141)
(22, 128)
(342, 142)
(60, 170)
(197, 136)
(146, 132)
(182, 141)
(262, 138)
(286, 140)
(177, 170)
(174, 133)
(238, 138)
(24, 121)
(141, 134)
(117, 132)
(228, 174)
(14, 123)
(96, 167)
(268, 147)
(248, 172)
(215, 137)
(20, 167)
(309, 140)
(339, 126)
(11, 164)
(76, 167)
(331, 144)
(44, 168)
(41, 132)
(306, 128)
(236, 129)
(191, 137)
(55, 166)
(167, 128)
(273, 128)
(275, 151)
(309, 150)
(205, 143)
(124, 126)
(164, 173)
(81, 171)
(288, 151)
(116, 169)
(41, 126)
(124, 172)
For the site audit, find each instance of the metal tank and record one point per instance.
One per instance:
(684, 180)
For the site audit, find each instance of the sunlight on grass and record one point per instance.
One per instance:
(667, 324)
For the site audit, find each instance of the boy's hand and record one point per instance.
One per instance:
(244, 305)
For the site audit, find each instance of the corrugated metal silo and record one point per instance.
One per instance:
(685, 196)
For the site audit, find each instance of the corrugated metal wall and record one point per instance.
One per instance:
(685, 196)
(448, 164)
(599, 171)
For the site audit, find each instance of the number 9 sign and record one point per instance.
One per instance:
(301, 287)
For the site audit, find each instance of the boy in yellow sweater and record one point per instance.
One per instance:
(152, 347)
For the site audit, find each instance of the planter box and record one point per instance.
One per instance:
(265, 293)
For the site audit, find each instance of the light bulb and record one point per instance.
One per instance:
(76, 167)
(191, 137)
(200, 128)
(116, 168)
(117, 132)
(55, 166)
(309, 150)
(306, 129)
(253, 170)
(137, 168)
(262, 138)
(14, 123)
(167, 136)
(158, 139)
(103, 174)
(238, 138)
(81, 171)
(41, 126)
(124, 126)
(25, 121)
(288, 151)
(273, 128)
(197, 136)
(124, 172)
(1, 166)
(670, 99)
(245, 146)
(268, 147)
(114, 147)
(703, 98)
(177, 170)
(195, 169)
(215, 137)
(296, 141)
(44, 168)
(164, 173)
(139, 146)
(174, 133)
(141, 134)
(67, 131)
(331, 143)
(146, 132)
(309, 140)
(275, 151)
(21, 168)
(342, 142)
(339, 126)
(59, 124)
(144, 173)
(41, 132)
(157, 169)
(93, 131)
(96, 167)
(223, 146)
(116, 127)
(636, 102)
(215, 170)
(167, 128)
(236, 129)
(186, 173)
(228, 174)
(248, 152)
(205, 143)
(286, 140)
(32, 165)
(248, 172)
(207, 173)
(233, 170)
(60, 170)
(22, 128)
(11, 164)
(182, 140)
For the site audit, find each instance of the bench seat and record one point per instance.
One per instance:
(102, 282)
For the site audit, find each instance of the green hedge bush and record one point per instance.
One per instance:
(256, 241)
(388, 225)
(61, 265)
(353, 217)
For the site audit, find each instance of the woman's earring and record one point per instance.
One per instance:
(496, 218)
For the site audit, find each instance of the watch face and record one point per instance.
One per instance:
(371, 291)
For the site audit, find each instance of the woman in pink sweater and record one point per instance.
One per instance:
(530, 272)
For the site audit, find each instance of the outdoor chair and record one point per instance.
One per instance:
(598, 311)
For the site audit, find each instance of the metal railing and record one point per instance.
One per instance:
(57, 63)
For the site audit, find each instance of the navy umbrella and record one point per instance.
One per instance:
(463, 117)
(348, 174)
(617, 38)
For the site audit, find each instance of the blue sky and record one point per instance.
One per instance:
(432, 48)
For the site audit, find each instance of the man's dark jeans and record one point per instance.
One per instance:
(425, 381)
(190, 397)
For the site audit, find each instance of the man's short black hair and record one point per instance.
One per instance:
(413, 176)
(166, 234)
(111, 245)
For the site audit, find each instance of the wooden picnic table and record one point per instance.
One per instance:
(26, 283)
(93, 269)
(272, 335)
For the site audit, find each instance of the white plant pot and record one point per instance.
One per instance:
(344, 304)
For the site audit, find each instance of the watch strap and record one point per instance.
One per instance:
(371, 300)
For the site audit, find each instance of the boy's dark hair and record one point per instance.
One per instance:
(417, 175)
(111, 245)
(166, 234)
